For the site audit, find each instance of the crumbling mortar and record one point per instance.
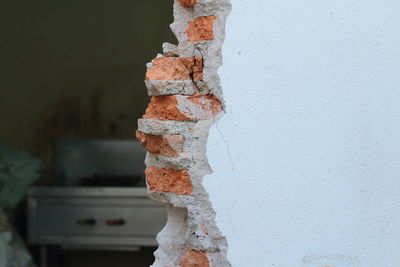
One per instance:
(191, 230)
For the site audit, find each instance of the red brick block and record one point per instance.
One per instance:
(188, 3)
(183, 108)
(195, 258)
(201, 29)
(168, 180)
(176, 68)
(166, 145)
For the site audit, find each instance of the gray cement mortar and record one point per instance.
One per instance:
(191, 218)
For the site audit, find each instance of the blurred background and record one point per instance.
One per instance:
(74, 70)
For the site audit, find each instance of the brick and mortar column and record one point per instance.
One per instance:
(186, 100)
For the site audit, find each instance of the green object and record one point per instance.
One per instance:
(18, 169)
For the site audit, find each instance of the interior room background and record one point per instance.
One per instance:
(75, 69)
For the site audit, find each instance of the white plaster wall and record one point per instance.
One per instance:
(307, 159)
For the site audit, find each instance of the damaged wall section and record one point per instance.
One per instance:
(186, 101)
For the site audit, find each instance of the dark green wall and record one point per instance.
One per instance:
(74, 69)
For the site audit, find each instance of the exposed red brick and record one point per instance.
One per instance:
(195, 258)
(183, 108)
(168, 180)
(164, 108)
(166, 145)
(176, 68)
(188, 3)
(206, 102)
(201, 29)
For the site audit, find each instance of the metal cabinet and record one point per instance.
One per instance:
(94, 218)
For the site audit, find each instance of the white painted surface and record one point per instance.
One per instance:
(307, 172)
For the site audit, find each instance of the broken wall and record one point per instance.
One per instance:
(186, 99)
(306, 160)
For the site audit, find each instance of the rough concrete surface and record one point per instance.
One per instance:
(186, 101)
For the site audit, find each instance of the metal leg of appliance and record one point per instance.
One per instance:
(43, 256)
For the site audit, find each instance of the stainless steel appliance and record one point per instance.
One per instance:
(98, 202)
